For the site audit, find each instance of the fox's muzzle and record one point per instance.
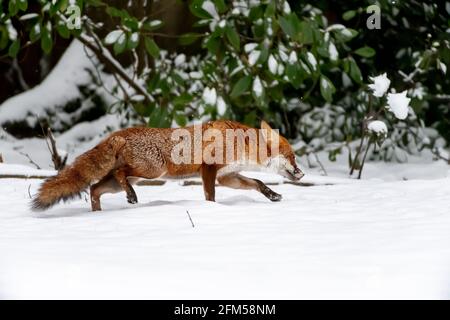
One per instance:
(295, 175)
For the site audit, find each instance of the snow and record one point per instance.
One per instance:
(284, 57)
(209, 7)
(286, 8)
(360, 239)
(249, 47)
(209, 96)
(336, 26)
(324, 83)
(28, 16)
(293, 59)
(12, 32)
(113, 36)
(221, 106)
(155, 23)
(380, 85)
(19, 169)
(134, 37)
(418, 92)
(253, 57)
(273, 64)
(312, 60)
(78, 139)
(398, 104)
(378, 127)
(383, 237)
(180, 59)
(332, 51)
(442, 66)
(62, 82)
(257, 87)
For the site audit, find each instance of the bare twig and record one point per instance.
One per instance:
(364, 159)
(58, 162)
(320, 164)
(190, 218)
(1, 158)
(31, 160)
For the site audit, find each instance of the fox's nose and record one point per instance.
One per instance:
(298, 173)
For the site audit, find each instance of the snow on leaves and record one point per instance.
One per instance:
(380, 85)
(378, 128)
(398, 104)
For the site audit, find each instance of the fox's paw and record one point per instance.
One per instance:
(132, 198)
(273, 196)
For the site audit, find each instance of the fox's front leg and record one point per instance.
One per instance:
(121, 176)
(209, 173)
(237, 181)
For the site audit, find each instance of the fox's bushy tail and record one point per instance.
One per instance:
(72, 180)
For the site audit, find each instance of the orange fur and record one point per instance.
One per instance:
(145, 153)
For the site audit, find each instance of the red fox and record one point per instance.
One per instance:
(127, 155)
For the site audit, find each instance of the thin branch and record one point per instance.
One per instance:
(364, 159)
(320, 163)
(190, 219)
(94, 44)
(31, 160)
(58, 161)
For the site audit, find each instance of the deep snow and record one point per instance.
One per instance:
(353, 239)
(386, 236)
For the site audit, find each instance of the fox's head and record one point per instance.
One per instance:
(282, 159)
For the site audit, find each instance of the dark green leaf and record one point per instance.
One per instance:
(180, 119)
(213, 44)
(22, 4)
(63, 31)
(35, 32)
(151, 47)
(4, 39)
(133, 41)
(366, 52)
(220, 5)
(189, 38)
(306, 33)
(182, 99)
(152, 25)
(46, 39)
(349, 15)
(288, 26)
(327, 88)
(197, 10)
(293, 73)
(233, 37)
(354, 71)
(121, 44)
(13, 7)
(241, 86)
(14, 48)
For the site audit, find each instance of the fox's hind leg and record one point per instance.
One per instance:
(108, 184)
(237, 181)
(121, 176)
(209, 182)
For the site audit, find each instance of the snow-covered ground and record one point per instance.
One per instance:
(352, 239)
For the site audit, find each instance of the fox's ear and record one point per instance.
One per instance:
(268, 133)
(265, 125)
